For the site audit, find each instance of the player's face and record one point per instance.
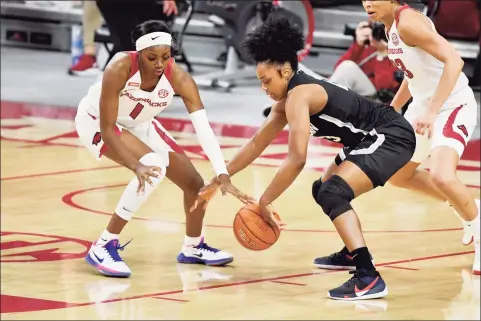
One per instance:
(153, 59)
(378, 10)
(272, 81)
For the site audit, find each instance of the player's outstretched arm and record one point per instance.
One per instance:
(275, 122)
(272, 126)
(297, 113)
(185, 86)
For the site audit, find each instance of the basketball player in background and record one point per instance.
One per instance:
(382, 142)
(443, 113)
(116, 120)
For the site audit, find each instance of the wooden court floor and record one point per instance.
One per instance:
(56, 199)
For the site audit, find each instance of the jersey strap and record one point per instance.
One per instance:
(134, 62)
(398, 12)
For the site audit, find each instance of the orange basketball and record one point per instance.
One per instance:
(252, 231)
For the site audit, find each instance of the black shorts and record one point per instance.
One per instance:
(383, 152)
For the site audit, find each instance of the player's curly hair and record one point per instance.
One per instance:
(277, 40)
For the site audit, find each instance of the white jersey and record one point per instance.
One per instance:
(422, 71)
(135, 105)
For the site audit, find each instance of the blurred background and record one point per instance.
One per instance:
(52, 51)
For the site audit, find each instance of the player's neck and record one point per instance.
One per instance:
(388, 20)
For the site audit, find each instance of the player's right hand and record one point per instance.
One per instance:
(205, 194)
(144, 173)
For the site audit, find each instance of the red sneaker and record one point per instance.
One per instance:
(87, 64)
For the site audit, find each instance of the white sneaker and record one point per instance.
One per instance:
(468, 233)
(476, 264)
(106, 259)
(475, 230)
(204, 254)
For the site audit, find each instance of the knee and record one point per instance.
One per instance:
(442, 179)
(347, 65)
(194, 185)
(334, 196)
(154, 159)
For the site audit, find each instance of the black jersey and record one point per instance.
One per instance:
(347, 117)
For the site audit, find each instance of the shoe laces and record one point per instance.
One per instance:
(113, 248)
(204, 247)
(338, 255)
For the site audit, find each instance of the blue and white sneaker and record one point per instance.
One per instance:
(106, 259)
(204, 254)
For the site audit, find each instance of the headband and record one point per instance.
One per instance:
(153, 39)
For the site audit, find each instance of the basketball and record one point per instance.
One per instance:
(252, 231)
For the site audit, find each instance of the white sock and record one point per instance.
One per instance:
(130, 202)
(106, 237)
(474, 224)
(192, 241)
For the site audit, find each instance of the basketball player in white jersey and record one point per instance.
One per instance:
(443, 111)
(116, 120)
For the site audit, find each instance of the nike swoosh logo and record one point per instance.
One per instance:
(99, 259)
(366, 289)
(126, 209)
(153, 38)
(199, 254)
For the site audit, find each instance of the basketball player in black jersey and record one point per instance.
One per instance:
(381, 141)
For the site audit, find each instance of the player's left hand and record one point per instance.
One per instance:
(424, 123)
(227, 187)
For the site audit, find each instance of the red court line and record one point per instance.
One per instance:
(401, 268)
(169, 299)
(58, 173)
(289, 283)
(68, 199)
(282, 277)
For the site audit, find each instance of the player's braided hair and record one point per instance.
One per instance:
(277, 40)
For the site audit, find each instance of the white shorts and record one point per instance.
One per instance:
(152, 133)
(453, 127)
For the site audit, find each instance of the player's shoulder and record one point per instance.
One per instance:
(120, 62)
(410, 19)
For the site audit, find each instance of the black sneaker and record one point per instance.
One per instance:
(341, 260)
(362, 286)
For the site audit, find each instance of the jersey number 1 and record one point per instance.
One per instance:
(136, 111)
(398, 63)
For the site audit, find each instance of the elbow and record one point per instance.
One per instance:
(298, 161)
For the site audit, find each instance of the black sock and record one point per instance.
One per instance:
(362, 258)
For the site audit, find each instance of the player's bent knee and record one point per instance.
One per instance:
(316, 185)
(195, 184)
(442, 179)
(130, 202)
(335, 197)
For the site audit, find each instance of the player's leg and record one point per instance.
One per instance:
(334, 197)
(182, 173)
(452, 130)
(103, 254)
(194, 250)
(420, 180)
(370, 164)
